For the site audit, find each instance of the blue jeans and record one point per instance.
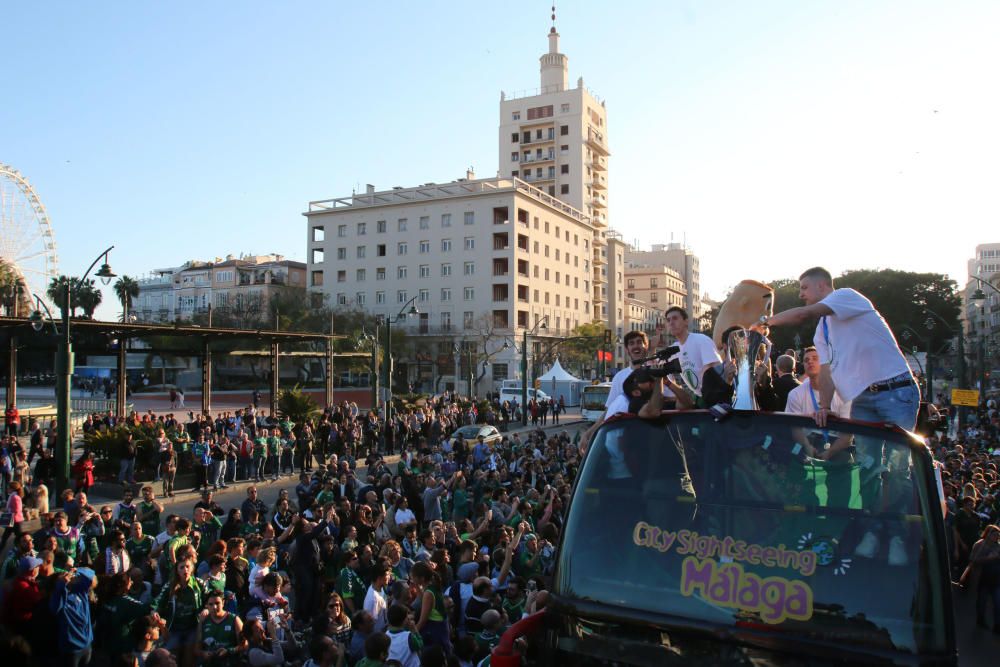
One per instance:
(894, 406)
(218, 473)
(127, 471)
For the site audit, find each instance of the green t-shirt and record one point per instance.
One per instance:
(219, 634)
(350, 585)
(273, 446)
(139, 550)
(151, 522)
(260, 447)
(209, 533)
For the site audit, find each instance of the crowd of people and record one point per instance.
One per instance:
(424, 561)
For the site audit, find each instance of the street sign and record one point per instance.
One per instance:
(966, 397)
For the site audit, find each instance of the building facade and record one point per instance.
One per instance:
(555, 137)
(240, 288)
(482, 260)
(679, 259)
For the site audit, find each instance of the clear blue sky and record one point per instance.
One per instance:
(771, 135)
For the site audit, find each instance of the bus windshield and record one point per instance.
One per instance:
(593, 400)
(730, 523)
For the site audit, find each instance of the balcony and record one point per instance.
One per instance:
(599, 201)
(538, 159)
(598, 183)
(596, 142)
(539, 179)
(599, 257)
(598, 164)
(547, 138)
(501, 241)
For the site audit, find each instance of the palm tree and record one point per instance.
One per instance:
(126, 289)
(88, 297)
(14, 293)
(56, 292)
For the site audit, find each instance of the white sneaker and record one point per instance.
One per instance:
(868, 546)
(897, 552)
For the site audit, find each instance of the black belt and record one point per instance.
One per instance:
(889, 385)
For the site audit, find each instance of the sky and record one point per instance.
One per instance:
(768, 136)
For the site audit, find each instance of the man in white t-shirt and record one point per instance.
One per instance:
(375, 599)
(861, 362)
(697, 351)
(804, 400)
(637, 347)
(860, 359)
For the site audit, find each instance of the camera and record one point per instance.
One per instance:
(671, 367)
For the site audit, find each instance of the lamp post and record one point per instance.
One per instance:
(929, 370)
(961, 354)
(373, 372)
(540, 324)
(389, 321)
(64, 369)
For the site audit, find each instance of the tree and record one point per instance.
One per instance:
(88, 297)
(14, 293)
(579, 354)
(126, 289)
(85, 296)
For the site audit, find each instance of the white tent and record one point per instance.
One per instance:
(560, 382)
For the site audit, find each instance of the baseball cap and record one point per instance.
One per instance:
(28, 563)
(86, 573)
(641, 374)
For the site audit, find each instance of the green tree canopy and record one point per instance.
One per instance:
(126, 289)
(85, 296)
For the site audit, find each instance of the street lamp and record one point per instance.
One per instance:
(389, 321)
(540, 324)
(373, 377)
(929, 323)
(64, 366)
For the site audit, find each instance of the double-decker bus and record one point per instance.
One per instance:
(592, 401)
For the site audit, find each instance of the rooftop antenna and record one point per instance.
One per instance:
(553, 17)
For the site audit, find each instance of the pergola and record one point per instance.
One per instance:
(270, 342)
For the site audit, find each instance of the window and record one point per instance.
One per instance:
(342, 230)
(446, 270)
(514, 137)
(470, 243)
(341, 276)
(317, 258)
(379, 297)
(557, 299)
(341, 299)
(564, 169)
(362, 227)
(359, 298)
(514, 156)
(425, 295)
(401, 225)
(653, 282)
(446, 320)
(536, 296)
(446, 294)
(401, 296)
(546, 274)
(341, 253)
(401, 248)
(469, 268)
(401, 272)
(516, 115)
(654, 297)
(470, 217)
(469, 294)
(564, 107)
(446, 219)
(380, 227)
(564, 189)
(445, 245)
(534, 113)
(361, 251)
(316, 280)
(630, 283)
(564, 130)
(515, 173)
(467, 319)
(318, 234)
(425, 247)
(564, 148)
(425, 271)
(557, 254)
(499, 371)
(380, 273)
(360, 275)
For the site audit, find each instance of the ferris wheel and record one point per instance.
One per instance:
(26, 240)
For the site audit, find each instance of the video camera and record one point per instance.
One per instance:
(671, 367)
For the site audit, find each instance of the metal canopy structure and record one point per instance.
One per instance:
(21, 327)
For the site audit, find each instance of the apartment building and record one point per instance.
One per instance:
(474, 256)
(983, 267)
(681, 260)
(555, 138)
(237, 286)
(640, 316)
